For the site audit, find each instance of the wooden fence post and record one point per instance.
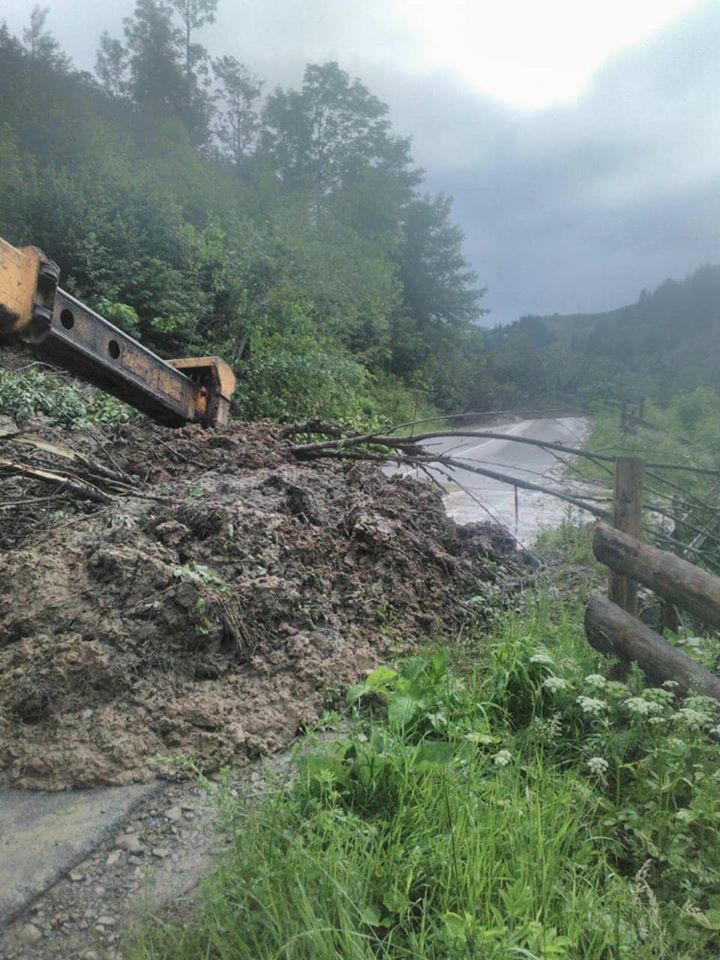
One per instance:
(627, 516)
(623, 417)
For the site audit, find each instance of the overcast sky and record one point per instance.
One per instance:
(580, 139)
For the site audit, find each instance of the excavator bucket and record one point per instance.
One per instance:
(217, 379)
(34, 310)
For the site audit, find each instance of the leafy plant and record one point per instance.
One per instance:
(24, 395)
(527, 807)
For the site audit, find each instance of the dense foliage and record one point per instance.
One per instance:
(25, 394)
(289, 233)
(528, 807)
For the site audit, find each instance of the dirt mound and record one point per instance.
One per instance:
(214, 603)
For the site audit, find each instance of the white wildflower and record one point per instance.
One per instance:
(542, 658)
(695, 719)
(595, 680)
(660, 696)
(694, 642)
(642, 707)
(598, 766)
(670, 684)
(481, 739)
(555, 683)
(502, 758)
(591, 705)
(554, 726)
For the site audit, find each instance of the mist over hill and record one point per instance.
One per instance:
(665, 343)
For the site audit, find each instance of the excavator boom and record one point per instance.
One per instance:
(63, 330)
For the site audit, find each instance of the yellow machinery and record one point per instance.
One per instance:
(34, 310)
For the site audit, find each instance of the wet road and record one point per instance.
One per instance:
(484, 498)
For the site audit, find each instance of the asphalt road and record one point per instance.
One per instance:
(485, 499)
(42, 835)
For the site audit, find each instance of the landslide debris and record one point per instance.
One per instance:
(214, 603)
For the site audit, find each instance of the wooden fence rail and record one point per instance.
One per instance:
(668, 575)
(611, 623)
(616, 633)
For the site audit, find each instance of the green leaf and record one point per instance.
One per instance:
(456, 926)
(402, 709)
(414, 667)
(371, 916)
(359, 690)
(440, 663)
(437, 753)
(380, 678)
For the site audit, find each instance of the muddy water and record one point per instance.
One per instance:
(475, 498)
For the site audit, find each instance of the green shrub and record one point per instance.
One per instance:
(25, 394)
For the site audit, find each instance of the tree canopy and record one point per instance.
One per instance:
(285, 231)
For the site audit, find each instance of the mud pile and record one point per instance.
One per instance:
(217, 609)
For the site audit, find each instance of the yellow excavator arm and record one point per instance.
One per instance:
(62, 330)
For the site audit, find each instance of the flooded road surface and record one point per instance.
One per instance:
(497, 501)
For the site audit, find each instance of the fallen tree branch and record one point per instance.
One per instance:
(419, 459)
(66, 453)
(73, 484)
(400, 443)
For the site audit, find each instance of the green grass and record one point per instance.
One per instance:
(687, 432)
(527, 807)
(678, 504)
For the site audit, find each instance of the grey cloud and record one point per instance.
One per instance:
(579, 207)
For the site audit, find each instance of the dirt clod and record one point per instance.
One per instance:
(210, 613)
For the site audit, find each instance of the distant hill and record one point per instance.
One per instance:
(667, 342)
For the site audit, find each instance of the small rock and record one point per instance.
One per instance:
(130, 842)
(87, 714)
(76, 876)
(91, 955)
(99, 889)
(106, 920)
(30, 934)
(174, 814)
(187, 594)
(112, 858)
(160, 852)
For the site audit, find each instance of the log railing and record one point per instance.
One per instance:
(611, 623)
